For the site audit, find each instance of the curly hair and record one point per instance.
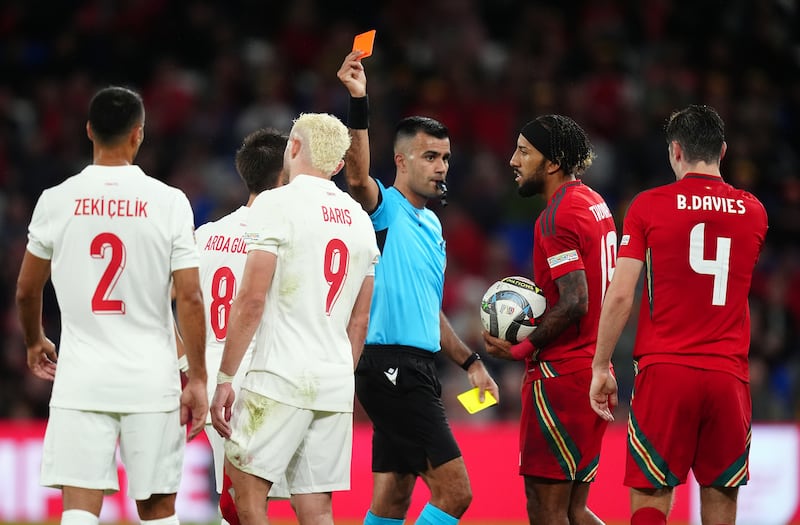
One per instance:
(327, 139)
(561, 140)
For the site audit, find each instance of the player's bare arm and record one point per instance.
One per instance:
(359, 318)
(617, 307)
(33, 275)
(572, 305)
(360, 185)
(192, 325)
(459, 352)
(245, 316)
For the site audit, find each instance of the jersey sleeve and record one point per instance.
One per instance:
(184, 247)
(374, 253)
(382, 215)
(561, 245)
(634, 243)
(201, 235)
(267, 227)
(40, 242)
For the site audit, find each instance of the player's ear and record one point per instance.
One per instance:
(723, 150)
(676, 150)
(400, 160)
(139, 135)
(136, 137)
(294, 146)
(338, 167)
(89, 131)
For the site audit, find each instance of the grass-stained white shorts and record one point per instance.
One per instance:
(311, 448)
(279, 489)
(80, 447)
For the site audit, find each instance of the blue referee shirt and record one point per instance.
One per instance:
(409, 279)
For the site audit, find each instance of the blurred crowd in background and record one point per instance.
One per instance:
(211, 72)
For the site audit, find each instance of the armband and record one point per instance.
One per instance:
(183, 364)
(222, 377)
(522, 350)
(471, 359)
(358, 113)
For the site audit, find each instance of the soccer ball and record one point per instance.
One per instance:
(511, 308)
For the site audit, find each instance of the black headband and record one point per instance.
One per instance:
(540, 138)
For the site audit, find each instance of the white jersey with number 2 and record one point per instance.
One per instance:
(114, 236)
(325, 247)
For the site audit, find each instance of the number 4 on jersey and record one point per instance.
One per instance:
(718, 268)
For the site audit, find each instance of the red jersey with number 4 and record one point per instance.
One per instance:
(700, 239)
(575, 232)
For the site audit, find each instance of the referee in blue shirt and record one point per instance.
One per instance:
(396, 378)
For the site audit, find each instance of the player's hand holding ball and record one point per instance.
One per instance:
(510, 311)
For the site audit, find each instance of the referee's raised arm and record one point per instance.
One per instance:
(360, 185)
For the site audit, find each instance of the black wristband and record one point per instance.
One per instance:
(358, 113)
(471, 359)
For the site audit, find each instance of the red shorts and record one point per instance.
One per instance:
(685, 418)
(560, 435)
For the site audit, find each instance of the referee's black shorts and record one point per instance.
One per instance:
(399, 388)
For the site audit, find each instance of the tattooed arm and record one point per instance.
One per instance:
(572, 305)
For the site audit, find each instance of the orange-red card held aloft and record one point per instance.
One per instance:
(363, 42)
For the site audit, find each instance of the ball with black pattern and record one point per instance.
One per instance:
(512, 307)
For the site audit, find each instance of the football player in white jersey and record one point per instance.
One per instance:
(113, 241)
(305, 296)
(259, 162)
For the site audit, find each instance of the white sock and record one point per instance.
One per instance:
(78, 517)
(169, 520)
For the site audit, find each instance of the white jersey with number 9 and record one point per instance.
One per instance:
(325, 247)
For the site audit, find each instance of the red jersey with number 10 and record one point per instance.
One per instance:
(575, 232)
(700, 239)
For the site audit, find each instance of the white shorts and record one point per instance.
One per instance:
(311, 448)
(279, 489)
(79, 450)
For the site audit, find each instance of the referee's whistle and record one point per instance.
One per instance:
(440, 184)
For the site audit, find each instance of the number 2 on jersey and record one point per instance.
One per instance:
(108, 244)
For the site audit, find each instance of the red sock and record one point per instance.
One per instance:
(226, 505)
(648, 516)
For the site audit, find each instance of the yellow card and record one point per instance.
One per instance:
(470, 400)
(364, 42)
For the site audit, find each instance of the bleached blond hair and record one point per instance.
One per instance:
(325, 137)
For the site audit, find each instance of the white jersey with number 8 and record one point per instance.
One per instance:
(222, 257)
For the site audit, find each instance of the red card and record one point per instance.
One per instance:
(364, 43)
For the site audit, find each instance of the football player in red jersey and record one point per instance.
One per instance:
(575, 243)
(698, 239)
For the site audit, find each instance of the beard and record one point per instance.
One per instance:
(530, 188)
(533, 185)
